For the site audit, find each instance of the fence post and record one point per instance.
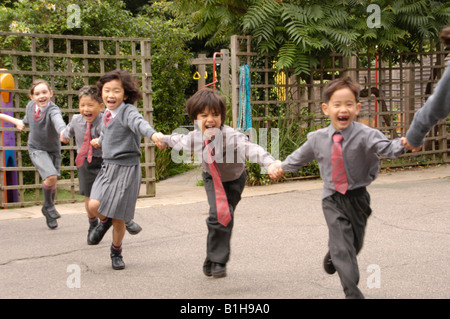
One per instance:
(225, 74)
(149, 148)
(234, 79)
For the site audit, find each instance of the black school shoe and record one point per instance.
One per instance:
(51, 222)
(133, 228)
(99, 231)
(92, 226)
(216, 270)
(116, 259)
(52, 212)
(328, 264)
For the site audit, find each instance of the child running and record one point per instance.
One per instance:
(116, 188)
(46, 123)
(222, 151)
(85, 127)
(348, 156)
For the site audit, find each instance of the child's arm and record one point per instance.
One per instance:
(382, 146)
(18, 123)
(67, 133)
(436, 108)
(57, 120)
(301, 156)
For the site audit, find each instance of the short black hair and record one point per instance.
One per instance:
(90, 91)
(129, 84)
(338, 84)
(206, 98)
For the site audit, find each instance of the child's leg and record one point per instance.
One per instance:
(118, 231)
(93, 220)
(346, 219)
(49, 191)
(97, 234)
(116, 247)
(218, 239)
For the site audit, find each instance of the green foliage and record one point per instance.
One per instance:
(170, 58)
(300, 32)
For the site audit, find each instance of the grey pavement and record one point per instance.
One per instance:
(279, 241)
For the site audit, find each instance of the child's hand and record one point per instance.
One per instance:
(409, 147)
(158, 139)
(275, 171)
(19, 125)
(94, 143)
(62, 138)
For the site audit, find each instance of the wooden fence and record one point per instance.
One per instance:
(67, 63)
(392, 91)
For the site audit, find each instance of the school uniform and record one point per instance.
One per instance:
(118, 183)
(346, 214)
(44, 148)
(44, 145)
(89, 170)
(230, 150)
(435, 109)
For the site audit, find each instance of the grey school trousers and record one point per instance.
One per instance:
(346, 217)
(219, 236)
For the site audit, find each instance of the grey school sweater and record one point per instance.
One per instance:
(44, 132)
(436, 108)
(121, 138)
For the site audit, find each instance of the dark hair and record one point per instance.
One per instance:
(445, 37)
(206, 98)
(129, 84)
(338, 84)
(90, 91)
(36, 83)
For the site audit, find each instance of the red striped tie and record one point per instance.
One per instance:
(108, 117)
(223, 210)
(86, 148)
(338, 175)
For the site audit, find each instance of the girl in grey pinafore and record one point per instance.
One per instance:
(116, 188)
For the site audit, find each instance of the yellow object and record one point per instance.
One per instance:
(6, 82)
(196, 76)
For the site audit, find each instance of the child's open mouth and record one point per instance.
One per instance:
(210, 130)
(87, 116)
(343, 119)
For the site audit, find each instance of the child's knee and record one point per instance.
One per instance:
(93, 205)
(51, 180)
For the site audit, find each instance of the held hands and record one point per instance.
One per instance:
(19, 125)
(157, 138)
(94, 143)
(62, 138)
(409, 147)
(275, 171)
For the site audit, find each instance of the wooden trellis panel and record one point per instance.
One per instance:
(392, 90)
(68, 63)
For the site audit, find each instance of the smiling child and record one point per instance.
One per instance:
(223, 152)
(348, 156)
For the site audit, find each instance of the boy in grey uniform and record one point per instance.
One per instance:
(229, 150)
(348, 156)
